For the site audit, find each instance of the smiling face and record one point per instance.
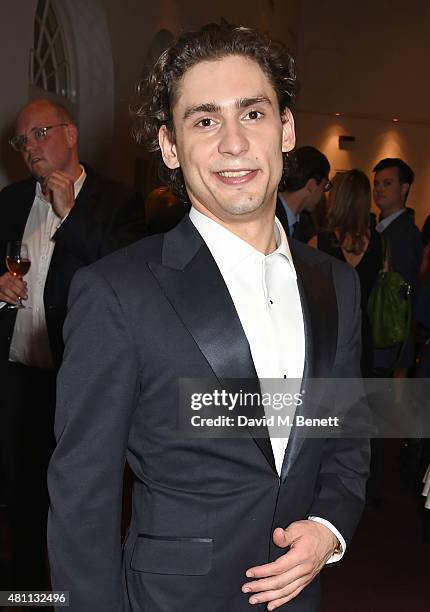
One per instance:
(229, 138)
(57, 151)
(388, 192)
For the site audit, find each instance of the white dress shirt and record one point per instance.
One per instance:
(265, 294)
(384, 223)
(30, 343)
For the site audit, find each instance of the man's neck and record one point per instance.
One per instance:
(294, 200)
(75, 170)
(392, 210)
(258, 231)
(259, 235)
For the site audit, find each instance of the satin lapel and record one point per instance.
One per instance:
(319, 306)
(191, 281)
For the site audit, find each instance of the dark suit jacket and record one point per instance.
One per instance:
(282, 216)
(404, 240)
(405, 244)
(204, 510)
(422, 316)
(106, 216)
(305, 228)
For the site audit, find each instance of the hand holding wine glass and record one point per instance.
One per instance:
(18, 264)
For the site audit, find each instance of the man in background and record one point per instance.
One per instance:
(302, 189)
(391, 185)
(69, 217)
(402, 241)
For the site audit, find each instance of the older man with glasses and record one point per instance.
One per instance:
(68, 216)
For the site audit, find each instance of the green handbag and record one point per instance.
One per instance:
(389, 305)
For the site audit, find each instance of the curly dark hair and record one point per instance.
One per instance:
(212, 42)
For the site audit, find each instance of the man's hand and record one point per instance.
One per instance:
(311, 545)
(12, 288)
(58, 187)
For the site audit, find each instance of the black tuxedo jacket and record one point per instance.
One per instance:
(204, 510)
(105, 217)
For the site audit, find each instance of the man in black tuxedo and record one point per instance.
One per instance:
(69, 217)
(218, 524)
(303, 187)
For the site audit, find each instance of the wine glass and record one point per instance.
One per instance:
(18, 263)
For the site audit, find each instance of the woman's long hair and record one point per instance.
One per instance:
(349, 209)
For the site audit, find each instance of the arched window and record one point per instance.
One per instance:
(51, 68)
(71, 64)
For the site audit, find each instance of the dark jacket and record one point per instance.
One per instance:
(204, 509)
(405, 247)
(105, 217)
(304, 229)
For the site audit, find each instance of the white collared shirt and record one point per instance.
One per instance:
(384, 223)
(270, 312)
(30, 343)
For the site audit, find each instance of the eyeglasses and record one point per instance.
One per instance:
(327, 186)
(37, 134)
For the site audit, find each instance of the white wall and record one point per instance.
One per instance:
(16, 35)
(368, 61)
(375, 139)
(92, 49)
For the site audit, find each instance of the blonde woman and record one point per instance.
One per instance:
(349, 235)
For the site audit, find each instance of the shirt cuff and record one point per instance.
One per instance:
(63, 219)
(337, 556)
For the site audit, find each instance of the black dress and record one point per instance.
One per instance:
(367, 270)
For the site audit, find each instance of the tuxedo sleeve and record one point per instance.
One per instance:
(340, 492)
(97, 389)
